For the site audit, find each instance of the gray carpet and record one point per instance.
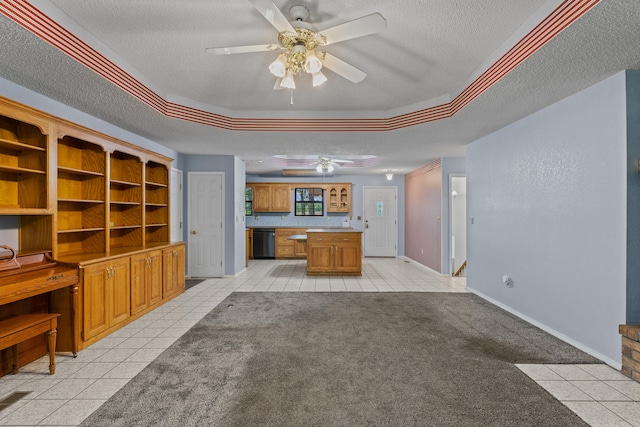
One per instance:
(190, 283)
(348, 359)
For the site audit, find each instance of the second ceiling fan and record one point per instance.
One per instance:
(300, 42)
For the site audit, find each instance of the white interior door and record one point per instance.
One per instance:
(380, 221)
(206, 224)
(176, 194)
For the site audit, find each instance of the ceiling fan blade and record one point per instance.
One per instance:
(357, 28)
(340, 67)
(270, 11)
(341, 161)
(242, 49)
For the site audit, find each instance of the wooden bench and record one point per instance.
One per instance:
(17, 329)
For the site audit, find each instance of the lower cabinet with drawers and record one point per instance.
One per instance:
(286, 248)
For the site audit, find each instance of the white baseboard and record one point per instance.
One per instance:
(424, 267)
(613, 363)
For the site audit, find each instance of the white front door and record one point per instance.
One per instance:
(206, 225)
(380, 221)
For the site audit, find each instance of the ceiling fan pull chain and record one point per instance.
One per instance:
(291, 90)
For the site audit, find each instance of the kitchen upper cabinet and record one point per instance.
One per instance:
(338, 197)
(271, 197)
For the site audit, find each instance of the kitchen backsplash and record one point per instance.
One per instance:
(290, 220)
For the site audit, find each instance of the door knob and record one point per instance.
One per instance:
(194, 232)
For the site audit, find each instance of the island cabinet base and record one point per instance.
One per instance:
(334, 253)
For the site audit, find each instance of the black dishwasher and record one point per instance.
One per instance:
(264, 243)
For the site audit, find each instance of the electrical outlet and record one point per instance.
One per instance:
(507, 281)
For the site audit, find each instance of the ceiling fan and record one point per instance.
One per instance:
(326, 164)
(300, 42)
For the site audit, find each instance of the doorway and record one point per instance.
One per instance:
(380, 221)
(458, 223)
(206, 224)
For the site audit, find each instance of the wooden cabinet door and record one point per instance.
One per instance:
(120, 287)
(139, 293)
(173, 271)
(95, 318)
(271, 198)
(319, 258)
(347, 252)
(261, 197)
(300, 248)
(106, 296)
(180, 269)
(338, 197)
(280, 198)
(347, 258)
(146, 280)
(344, 198)
(154, 277)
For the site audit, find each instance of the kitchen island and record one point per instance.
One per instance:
(333, 252)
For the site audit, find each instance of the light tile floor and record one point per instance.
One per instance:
(597, 393)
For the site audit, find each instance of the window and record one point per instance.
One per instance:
(309, 202)
(248, 201)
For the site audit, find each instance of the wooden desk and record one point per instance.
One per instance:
(38, 274)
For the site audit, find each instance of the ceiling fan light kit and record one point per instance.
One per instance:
(300, 40)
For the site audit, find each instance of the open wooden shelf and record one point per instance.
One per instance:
(19, 146)
(77, 191)
(80, 230)
(79, 201)
(19, 170)
(125, 183)
(156, 202)
(23, 166)
(81, 172)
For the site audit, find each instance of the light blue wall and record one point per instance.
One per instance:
(547, 195)
(239, 223)
(333, 219)
(633, 196)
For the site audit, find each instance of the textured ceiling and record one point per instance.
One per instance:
(422, 98)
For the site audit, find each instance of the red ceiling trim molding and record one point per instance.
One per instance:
(31, 18)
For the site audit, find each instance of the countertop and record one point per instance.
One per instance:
(301, 227)
(322, 230)
(333, 230)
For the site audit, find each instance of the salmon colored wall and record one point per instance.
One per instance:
(423, 207)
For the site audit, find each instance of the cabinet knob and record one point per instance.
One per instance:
(194, 232)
